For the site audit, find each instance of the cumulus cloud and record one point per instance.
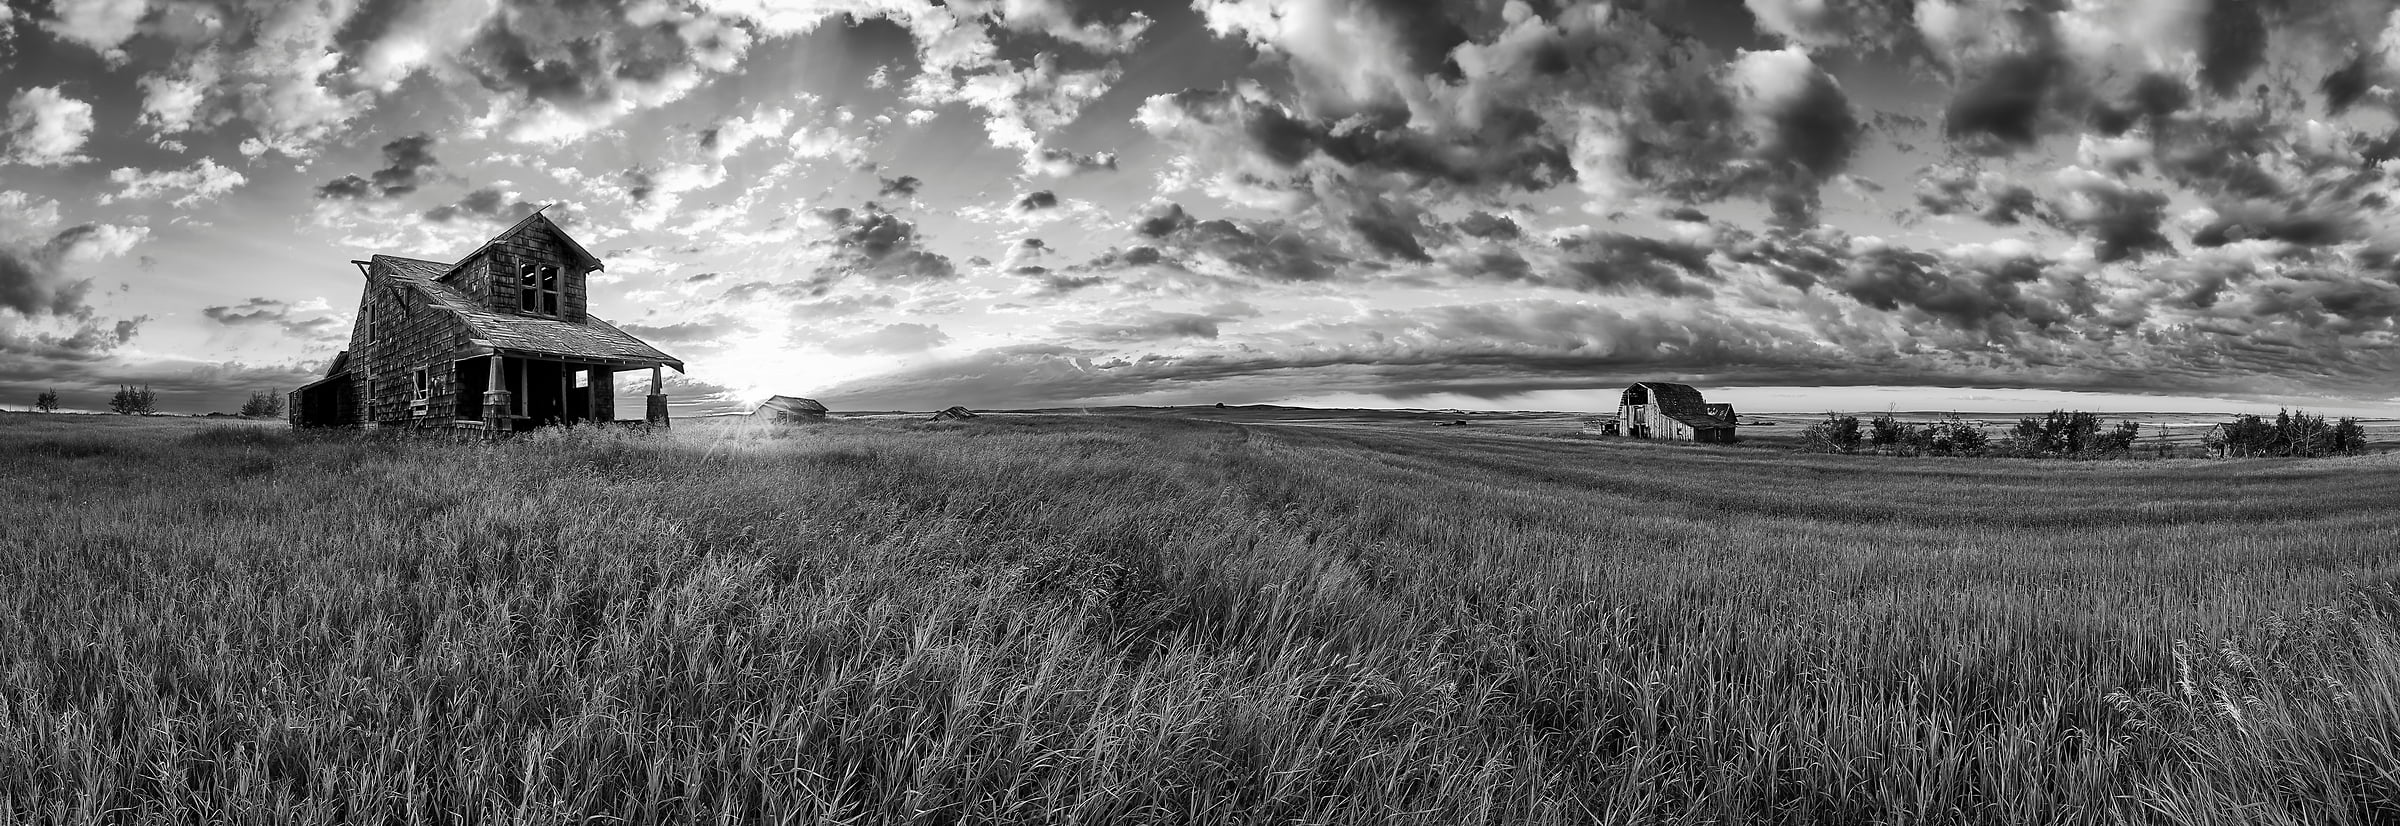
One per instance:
(203, 181)
(1030, 66)
(46, 128)
(562, 70)
(100, 25)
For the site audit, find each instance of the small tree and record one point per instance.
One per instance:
(1964, 438)
(47, 402)
(1886, 431)
(131, 402)
(263, 406)
(2119, 440)
(2349, 437)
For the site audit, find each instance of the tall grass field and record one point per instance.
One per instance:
(1130, 619)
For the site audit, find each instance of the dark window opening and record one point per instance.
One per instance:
(537, 289)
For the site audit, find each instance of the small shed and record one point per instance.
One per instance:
(1677, 412)
(789, 409)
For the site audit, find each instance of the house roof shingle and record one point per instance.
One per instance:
(508, 331)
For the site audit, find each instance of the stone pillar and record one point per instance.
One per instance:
(495, 397)
(657, 412)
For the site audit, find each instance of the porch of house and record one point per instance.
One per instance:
(539, 389)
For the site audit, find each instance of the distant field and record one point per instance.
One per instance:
(1175, 617)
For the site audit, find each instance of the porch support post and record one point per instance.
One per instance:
(658, 397)
(495, 396)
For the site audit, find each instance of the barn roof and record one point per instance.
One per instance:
(505, 331)
(789, 404)
(1671, 398)
(1680, 402)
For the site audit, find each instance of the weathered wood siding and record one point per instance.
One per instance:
(407, 334)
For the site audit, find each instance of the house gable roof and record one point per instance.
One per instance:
(530, 222)
(596, 339)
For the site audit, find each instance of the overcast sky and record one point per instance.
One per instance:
(897, 204)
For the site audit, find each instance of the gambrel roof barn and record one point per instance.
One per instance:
(1660, 410)
(501, 340)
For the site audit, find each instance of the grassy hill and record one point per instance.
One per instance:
(1165, 618)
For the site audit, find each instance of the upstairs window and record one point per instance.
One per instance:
(537, 289)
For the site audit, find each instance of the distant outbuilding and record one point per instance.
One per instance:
(1659, 410)
(789, 409)
(953, 413)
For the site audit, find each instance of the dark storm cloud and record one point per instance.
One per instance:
(34, 280)
(1265, 250)
(903, 187)
(270, 313)
(2153, 100)
(1036, 201)
(1613, 262)
(2233, 45)
(1955, 191)
(1388, 234)
(408, 163)
(2274, 222)
(2345, 86)
(1999, 110)
(878, 245)
(1511, 149)
(1146, 327)
(1808, 133)
(1160, 219)
(487, 202)
(347, 187)
(2122, 222)
(1481, 224)
(32, 284)
(1967, 295)
(1056, 284)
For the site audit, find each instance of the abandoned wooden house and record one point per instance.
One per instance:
(502, 341)
(1658, 410)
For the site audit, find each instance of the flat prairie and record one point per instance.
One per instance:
(1178, 618)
